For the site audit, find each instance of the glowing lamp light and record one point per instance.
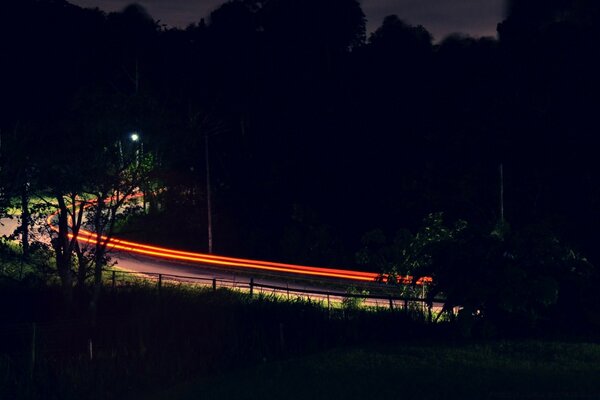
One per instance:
(134, 136)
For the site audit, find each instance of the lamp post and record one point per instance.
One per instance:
(139, 152)
(501, 194)
(135, 137)
(208, 199)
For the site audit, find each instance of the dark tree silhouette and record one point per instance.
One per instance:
(364, 133)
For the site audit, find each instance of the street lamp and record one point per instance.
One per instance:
(134, 137)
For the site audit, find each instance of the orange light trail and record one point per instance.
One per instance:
(210, 259)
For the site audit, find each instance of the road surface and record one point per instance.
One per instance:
(267, 277)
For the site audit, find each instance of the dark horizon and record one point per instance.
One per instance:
(277, 189)
(475, 18)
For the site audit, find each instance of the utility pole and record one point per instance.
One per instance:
(1, 162)
(1, 187)
(501, 194)
(25, 217)
(137, 76)
(208, 199)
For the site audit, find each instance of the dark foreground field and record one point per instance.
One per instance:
(189, 343)
(498, 370)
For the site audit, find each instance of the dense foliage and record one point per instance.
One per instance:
(316, 134)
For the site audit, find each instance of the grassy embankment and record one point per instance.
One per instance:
(493, 370)
(190, 342)
(226, 344)
(146, 339)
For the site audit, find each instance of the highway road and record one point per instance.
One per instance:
(267, 283)
(268, 277)
(8, 226)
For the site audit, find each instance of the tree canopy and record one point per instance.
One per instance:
(305, 112)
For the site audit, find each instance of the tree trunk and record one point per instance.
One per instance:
(98, 268)
(25, 219)
(63, 252)
(99, 260)
(82, 267)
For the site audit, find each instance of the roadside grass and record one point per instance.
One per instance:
(344, 301)
(12, 265)
(498, 370)
(228, 344)
(184, 341)
(122, 277)
(14, 208)
(145, 338)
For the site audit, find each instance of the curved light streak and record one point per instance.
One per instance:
(216, 260)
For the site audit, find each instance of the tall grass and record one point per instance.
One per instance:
(434, 370)
(142, 337)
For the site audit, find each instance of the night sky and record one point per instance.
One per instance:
(440, 17)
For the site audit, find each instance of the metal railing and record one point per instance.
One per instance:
(337, 294)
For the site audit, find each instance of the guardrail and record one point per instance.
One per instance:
(343, 295)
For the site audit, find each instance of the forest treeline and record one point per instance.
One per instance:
(317, 132)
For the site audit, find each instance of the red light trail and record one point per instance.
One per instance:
(86, 236)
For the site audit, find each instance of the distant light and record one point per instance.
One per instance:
(135, 136)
